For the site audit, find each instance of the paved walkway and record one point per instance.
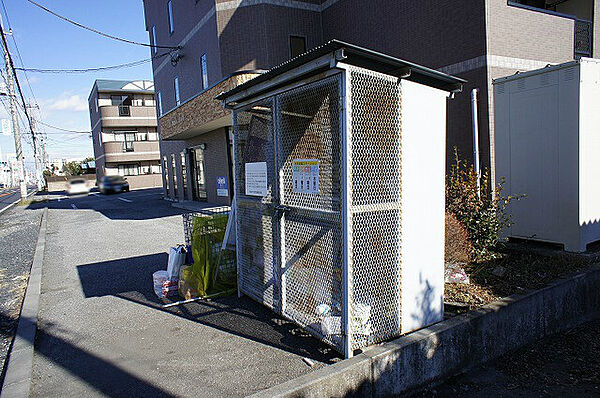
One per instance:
(102, 331)
(18, 236)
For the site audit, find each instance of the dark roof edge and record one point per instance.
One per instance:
(358, 56)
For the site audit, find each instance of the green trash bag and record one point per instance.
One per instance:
(213, 272)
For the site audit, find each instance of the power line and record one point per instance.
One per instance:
(17, 48)
(11, 63)
(97, 31)
(63, 129)
(87, 70)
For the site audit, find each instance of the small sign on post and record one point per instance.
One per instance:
(222, 189)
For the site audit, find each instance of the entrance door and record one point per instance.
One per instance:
(198, 175)
(309, 150)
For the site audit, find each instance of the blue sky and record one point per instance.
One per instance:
(48, 42)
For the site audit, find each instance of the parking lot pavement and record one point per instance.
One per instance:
(102, 331)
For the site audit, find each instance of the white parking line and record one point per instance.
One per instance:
(125, 200)
(73, 206)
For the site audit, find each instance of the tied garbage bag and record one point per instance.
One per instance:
(213, 272)
(176, 260)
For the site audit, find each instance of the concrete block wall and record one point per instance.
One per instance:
(442, 350)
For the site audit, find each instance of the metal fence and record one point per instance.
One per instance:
(327, 258)
(583, 38)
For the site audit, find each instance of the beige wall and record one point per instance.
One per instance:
(144, 181)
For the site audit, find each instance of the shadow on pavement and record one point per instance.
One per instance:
(142, 204)
(131, 279)
(99, 373)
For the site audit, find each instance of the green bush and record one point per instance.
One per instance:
(484, 216)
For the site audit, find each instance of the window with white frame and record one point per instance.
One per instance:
(153, 38)
(170, 16)
(204, 69)
(177, 98)
(132, 169)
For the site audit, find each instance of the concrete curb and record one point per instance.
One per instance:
(452, 346)
(10, 206)
(20, 358)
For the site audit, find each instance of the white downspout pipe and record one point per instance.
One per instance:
(475, 123)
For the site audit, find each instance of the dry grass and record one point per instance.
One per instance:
(522, 272)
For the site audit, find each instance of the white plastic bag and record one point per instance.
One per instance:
(176, 259)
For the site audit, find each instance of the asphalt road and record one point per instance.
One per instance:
(9, 196)
(103, 332)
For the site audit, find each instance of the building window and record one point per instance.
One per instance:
(170, 13)
(204, 69)
(166, 171)
(177, 98)
(129, 169)
(297, 46)
(174, 168)
(117, 100)
(129, 139)
(183, 175)
(160, 109)
(153, 39)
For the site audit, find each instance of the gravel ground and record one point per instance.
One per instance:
(565, 364)
(18, 236)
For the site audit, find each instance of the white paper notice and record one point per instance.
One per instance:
(305, 176)
(256, 179)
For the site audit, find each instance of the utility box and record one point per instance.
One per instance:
(547, 147)
(340, 169)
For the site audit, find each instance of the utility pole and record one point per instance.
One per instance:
(10, 75)
(37, 151)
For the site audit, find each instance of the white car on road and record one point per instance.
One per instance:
(77, 186)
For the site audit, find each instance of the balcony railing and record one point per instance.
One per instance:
(583, 38)
(124, 110)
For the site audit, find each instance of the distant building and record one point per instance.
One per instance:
(224, 43)
(126, 143)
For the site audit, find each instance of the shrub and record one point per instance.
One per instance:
(483, 216)
(457, 248)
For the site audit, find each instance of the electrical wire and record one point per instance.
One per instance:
(63, 129)
(88, 70)
(97, 31)
(18, 52)
(10, 60)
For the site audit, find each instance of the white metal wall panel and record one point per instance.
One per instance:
(423, 204)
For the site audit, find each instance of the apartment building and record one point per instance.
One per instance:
(124, 131)
(224, 43)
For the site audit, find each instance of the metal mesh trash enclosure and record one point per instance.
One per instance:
(375, 142)
(293, 152)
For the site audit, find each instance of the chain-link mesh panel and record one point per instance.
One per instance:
(309, 122)
(313, 271)
(256, 226)
(309, 128)
(376, 278)
(375, 126)
(254, 134)
(375, 206)
(256, 232)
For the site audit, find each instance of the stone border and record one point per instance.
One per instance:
(10, 206)
(454, 345)
(20, 357)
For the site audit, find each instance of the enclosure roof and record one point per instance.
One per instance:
(362, 57)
